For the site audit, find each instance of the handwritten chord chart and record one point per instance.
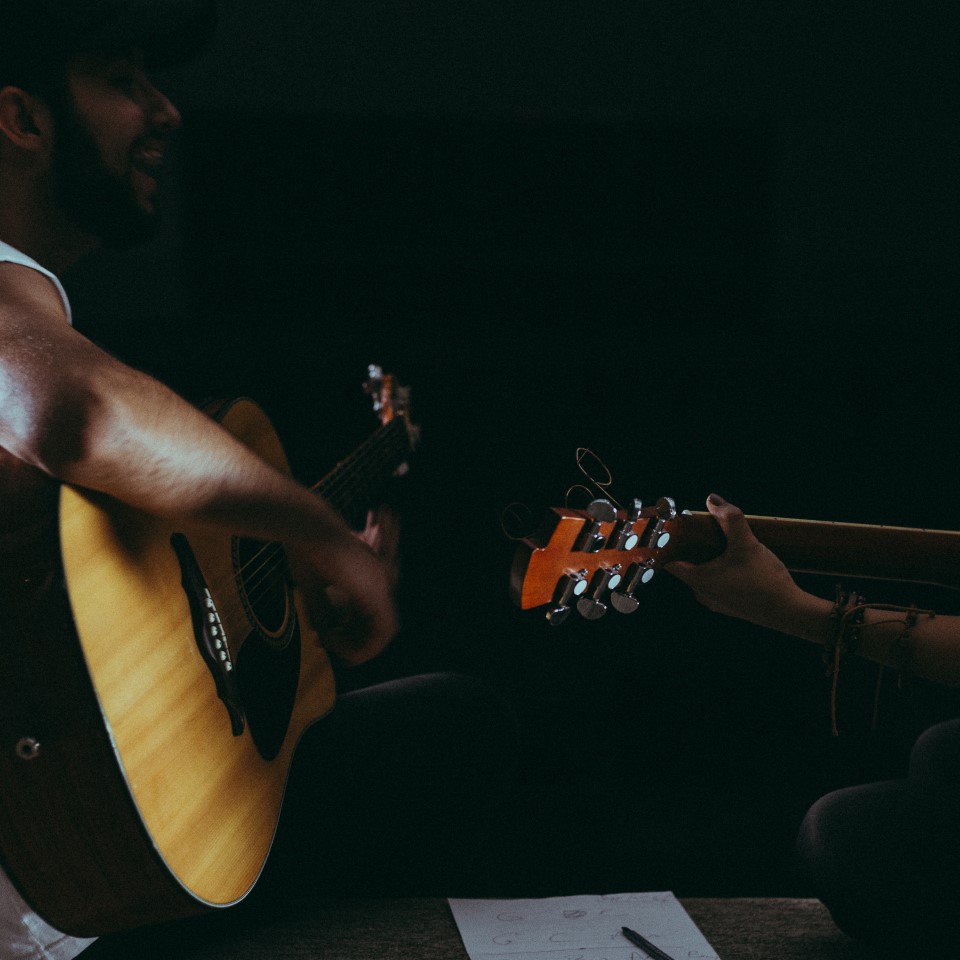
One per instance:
(584, 927)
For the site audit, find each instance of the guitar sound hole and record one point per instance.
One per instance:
(264, 585)
(268, 661)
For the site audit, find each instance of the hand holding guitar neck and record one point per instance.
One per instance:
(601, 556)
(747, 580)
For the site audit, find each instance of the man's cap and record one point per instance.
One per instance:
(37, 34)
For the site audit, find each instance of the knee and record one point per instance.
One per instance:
(469, 719)
(465, 703)
(936, 754)
(826, 866)
(820, 841)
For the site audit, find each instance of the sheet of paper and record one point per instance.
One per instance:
(578, 928)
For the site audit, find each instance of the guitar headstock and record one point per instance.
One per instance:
(390, 400)
(589, 559)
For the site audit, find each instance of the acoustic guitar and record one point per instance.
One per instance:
(601, 556)
(155, 694)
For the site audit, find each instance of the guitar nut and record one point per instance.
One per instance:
(28, 748)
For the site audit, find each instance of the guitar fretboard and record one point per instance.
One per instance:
(356, 482)
(907, 555)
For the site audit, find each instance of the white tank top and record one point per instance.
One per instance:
(24, 935)
(10, 254)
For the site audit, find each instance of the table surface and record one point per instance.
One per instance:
(403, 929)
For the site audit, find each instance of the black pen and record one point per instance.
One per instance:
(645, 945)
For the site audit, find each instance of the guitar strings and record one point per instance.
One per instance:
(343, 481)
(387, 445)
(265, 578)
(348, 478)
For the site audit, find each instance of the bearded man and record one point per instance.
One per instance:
(83, 137)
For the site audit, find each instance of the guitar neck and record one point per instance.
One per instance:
(834, 549)
(356, 482)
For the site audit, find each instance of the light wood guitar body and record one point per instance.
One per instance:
(150, 726)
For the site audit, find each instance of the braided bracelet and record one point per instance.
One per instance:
(847, 617)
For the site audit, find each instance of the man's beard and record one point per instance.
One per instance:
(98, 201)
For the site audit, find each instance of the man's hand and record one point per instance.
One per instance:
(746, 581)
(353, 610)
(382, 535)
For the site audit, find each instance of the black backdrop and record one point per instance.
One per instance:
(720, 251)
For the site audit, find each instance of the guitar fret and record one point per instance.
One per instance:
(354, 480)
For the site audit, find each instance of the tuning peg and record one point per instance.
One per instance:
(591, 540)
(590, 608)
(623, 601)
(666, 510)
(570, 585)
(373, 385)
(557, 615)
(606, 578)
(626, 538)
(602, 510)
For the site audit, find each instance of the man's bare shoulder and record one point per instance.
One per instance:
(27, 294)
(33, 321)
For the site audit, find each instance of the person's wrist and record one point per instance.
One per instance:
(808, 616)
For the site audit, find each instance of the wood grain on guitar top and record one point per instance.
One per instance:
(140, 804)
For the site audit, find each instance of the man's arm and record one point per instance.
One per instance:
(79, 415)
(749, 582)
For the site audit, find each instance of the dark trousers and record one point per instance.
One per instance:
(885, 857)
(391, 793)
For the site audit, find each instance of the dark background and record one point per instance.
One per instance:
(718, 245)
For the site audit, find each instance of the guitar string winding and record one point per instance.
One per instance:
(522, 518)
(513, 510)
(601, 485)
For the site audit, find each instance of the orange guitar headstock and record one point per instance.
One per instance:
(390, 400)
(593, 558)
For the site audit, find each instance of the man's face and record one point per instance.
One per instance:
(109, 148)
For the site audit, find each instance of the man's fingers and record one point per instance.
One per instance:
(353, 633)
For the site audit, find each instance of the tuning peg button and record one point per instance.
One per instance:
(556, 615)
(591, 609)
(571, 584)
(606, 578)
(623, 601)
(667, 508)
(602, 510)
